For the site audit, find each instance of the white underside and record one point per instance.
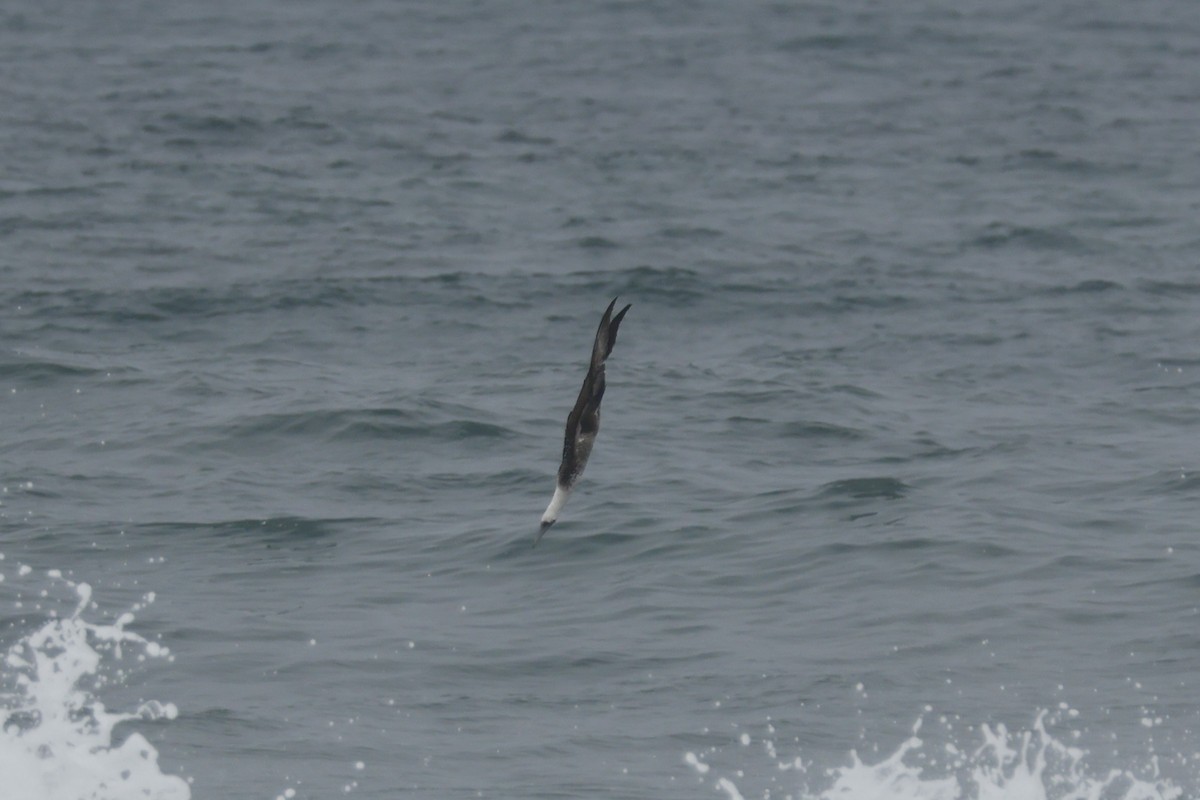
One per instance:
(556, 504)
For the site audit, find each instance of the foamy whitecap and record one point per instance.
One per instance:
(56, 737)
(1024, 765)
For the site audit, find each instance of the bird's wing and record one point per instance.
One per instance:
(584, 420)
(606, 336)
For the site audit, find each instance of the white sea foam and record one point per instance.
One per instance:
(56, 737)
(997, 765)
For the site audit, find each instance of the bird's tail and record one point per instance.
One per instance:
(606, 334)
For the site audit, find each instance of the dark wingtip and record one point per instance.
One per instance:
(542, 532)
(613, 325)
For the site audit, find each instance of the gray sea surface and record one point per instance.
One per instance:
(900, 431)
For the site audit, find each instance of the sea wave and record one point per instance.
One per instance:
(58, 741)
(984, 762)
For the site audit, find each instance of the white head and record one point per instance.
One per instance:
(548, 519)
(556, 504)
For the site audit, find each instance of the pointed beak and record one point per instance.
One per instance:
(545, 526)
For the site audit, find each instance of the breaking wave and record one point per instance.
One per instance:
(58, 741)
(990, 763)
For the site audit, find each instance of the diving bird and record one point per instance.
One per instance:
(584, 420)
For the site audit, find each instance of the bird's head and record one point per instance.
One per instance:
(545, 526)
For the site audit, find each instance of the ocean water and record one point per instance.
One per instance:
(896, 491)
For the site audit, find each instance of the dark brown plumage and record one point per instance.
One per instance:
(584, 420)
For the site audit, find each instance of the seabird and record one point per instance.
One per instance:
(584, 420)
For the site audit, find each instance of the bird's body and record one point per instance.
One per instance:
(584, 420)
